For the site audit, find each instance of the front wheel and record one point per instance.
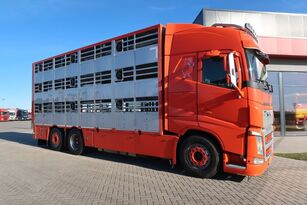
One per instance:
(200, 157)
(75, 143)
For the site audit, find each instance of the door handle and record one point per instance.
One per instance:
(208, 112)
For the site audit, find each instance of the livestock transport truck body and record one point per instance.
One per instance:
(191, 94)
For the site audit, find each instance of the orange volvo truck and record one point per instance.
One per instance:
(191, 94)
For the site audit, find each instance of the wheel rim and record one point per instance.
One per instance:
(55, 138)
(74, 142)
(199, 156)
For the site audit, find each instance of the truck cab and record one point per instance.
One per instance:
(4, 115)
(21, 114)
(12, 114)
(217, 88)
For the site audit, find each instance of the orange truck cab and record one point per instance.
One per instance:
(217, 87)
(197, 96)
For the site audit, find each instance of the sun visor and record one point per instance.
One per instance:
(248, 41)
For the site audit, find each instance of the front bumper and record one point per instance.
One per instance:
(250, 169)
(257, 160)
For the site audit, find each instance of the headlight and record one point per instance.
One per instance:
(258, 161)
(259, 145)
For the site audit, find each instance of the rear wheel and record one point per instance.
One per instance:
(75, 142)
(305, 125)
(200, 157)
(56, 139)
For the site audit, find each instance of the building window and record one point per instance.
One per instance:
(273, 80)
(295, 96)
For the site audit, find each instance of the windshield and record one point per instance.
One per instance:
(257, 70)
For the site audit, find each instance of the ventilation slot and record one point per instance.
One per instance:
(147, 38)
(72, 106)
(59, 84)
(59, 62)
(147, 104)
(104, 105)
(128, 105)
(72, 58)
(128, 74)
(124, 74)
(144, 71)
(125, 105)
(125, 44)
(119, 104)
(47, 86)
(87, 79)
(103, 77)
(87, 54)
(47, 108)
(87, 106)
(72, 82)
(103, 50)
(38, 68)
(37, 108)
(59, 107)
(48, 65)
(38, 88)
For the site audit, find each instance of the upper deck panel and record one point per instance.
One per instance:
(132, 40)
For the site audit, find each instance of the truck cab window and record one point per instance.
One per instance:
(214, 72)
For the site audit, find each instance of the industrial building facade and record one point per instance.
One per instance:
(284, 37)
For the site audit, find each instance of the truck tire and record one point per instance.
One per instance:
(200, 157)
(75, 142)
(305, 125)
(56, 139)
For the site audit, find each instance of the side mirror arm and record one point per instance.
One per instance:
(239, 87)
(234, 64)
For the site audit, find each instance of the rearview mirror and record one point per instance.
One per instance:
(235, 73)
(232, 69)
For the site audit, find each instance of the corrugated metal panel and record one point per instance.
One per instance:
(288, 65)
(283, 46)
(265, 23)
(86, 91)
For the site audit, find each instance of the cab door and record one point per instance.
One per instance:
(221, 109)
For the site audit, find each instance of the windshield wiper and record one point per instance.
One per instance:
(261, 81)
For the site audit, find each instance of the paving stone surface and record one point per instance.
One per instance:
(37, 175)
